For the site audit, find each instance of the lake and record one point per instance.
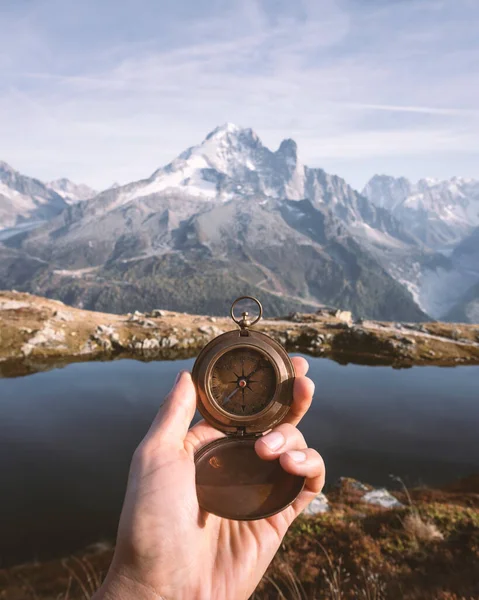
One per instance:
(67, 435)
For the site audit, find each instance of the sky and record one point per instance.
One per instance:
(105, 91)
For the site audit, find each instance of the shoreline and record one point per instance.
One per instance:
(38, 334)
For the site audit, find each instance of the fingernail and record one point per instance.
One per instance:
(178, 377)
(297, 455)
(274, 440)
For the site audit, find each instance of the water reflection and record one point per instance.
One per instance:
(66, 438)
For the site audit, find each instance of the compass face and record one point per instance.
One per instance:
(243, 382)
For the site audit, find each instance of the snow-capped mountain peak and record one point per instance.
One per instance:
(71, 192)
(230, 161)
(439, 212)
(227, 149)
(224, 129)
(6, 168)
(23, 199)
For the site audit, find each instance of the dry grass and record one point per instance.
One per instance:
(84, 574)
(371, 587)
(419, 529)
(335, 585)
(428, 550)
(76, 578)
(335, 576)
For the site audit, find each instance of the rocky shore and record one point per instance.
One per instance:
(37, 334)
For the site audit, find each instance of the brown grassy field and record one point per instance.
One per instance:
(427, 550)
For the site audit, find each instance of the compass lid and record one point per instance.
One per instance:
(234, 483)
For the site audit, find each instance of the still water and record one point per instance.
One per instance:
(66, 438)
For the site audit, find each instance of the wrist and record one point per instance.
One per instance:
(120, 586)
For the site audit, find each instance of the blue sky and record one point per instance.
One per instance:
(106, 91)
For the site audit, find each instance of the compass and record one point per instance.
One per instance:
(244, 381)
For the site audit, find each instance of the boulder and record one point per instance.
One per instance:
(150, 344)
(12, 305)
(48, 337)
(64, 315)
(169, 341)
(344, 316)
(319, 505)
(210, 330)
(381, 497)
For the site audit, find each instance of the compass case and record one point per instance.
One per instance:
(231, 480)
(276, 410)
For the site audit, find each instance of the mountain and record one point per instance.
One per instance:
(467, 309)
(71, 192)
(465, 258)
(439, 213)
(25, 200)
(291, 254)
(225, 218)
(467, 253)
(233, 162)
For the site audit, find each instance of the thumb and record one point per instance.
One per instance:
(173, 420)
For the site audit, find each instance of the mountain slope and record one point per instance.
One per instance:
(23, 199)
(467, 309)
(439, 213)
(466, 262)
(150, 255)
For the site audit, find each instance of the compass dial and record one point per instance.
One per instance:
(243, 382)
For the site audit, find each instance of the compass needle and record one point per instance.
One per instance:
(228, 398)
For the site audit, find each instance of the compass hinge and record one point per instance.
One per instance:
(242, 433)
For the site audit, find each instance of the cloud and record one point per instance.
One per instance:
(346, 79)
(428, 110)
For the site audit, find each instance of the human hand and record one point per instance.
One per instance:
(168, 548)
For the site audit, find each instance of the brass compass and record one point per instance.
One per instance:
(244, 381)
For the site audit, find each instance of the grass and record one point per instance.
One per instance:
(418, 528)
(427, 550)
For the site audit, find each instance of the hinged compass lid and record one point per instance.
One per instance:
(244, 382)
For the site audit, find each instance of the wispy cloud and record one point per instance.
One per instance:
(354, 83)
(427, 110)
